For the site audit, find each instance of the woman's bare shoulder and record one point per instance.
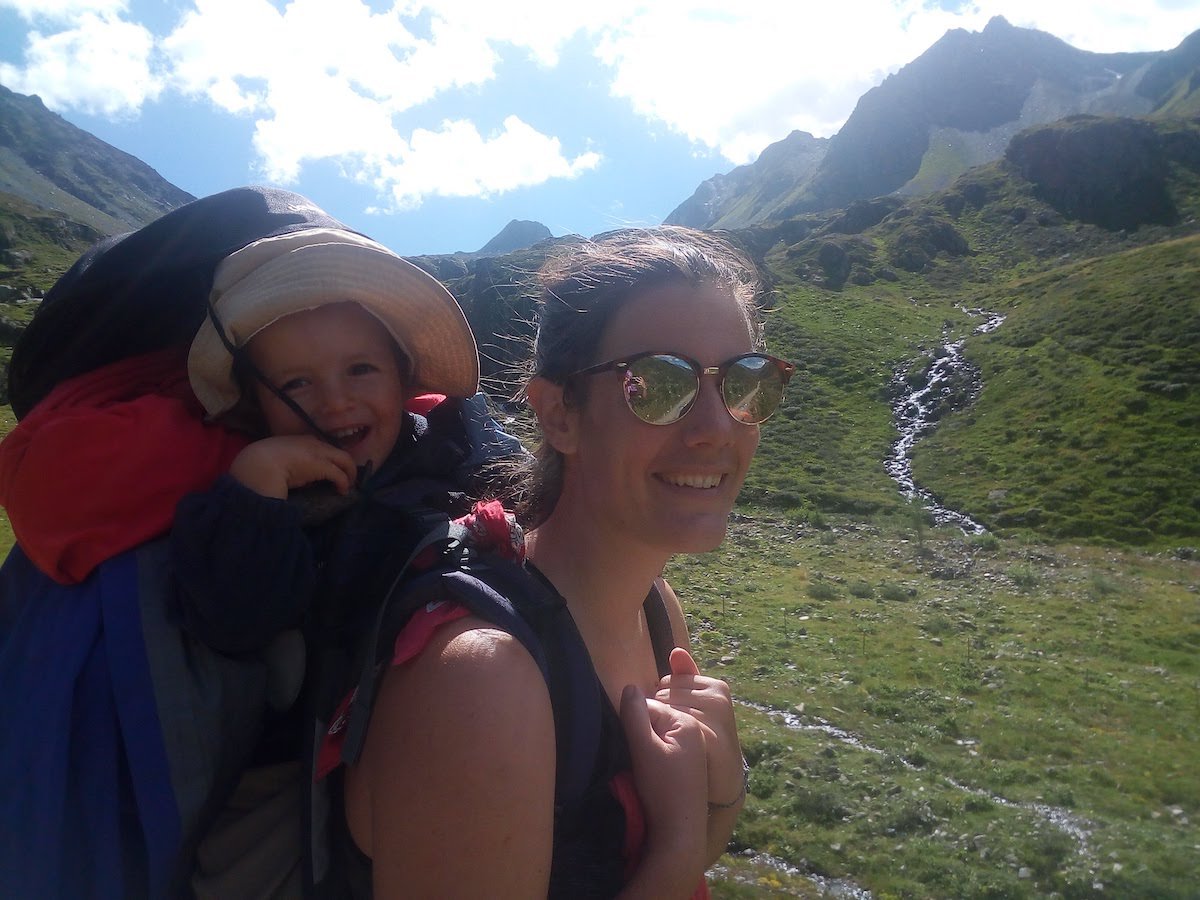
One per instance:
(469, 655)
(460, 747)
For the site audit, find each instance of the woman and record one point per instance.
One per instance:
(649, 387)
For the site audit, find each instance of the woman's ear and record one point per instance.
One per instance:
(559, 422)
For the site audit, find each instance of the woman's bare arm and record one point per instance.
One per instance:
(454, 794)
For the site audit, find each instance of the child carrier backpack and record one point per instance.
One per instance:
(120, 732)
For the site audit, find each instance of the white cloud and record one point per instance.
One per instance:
(332, 80)
(729, 73)
(336, 80)
(239, 53)
(1106, 26)
(63, 10)
(537, 27)
(457, 161)
(100, 65)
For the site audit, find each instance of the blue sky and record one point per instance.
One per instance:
(429, 125)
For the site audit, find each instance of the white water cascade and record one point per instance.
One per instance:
(916, 413)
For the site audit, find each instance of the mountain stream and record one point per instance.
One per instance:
(949, 382)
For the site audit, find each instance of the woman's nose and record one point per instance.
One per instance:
(708, 421)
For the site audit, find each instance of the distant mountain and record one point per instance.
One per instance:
(61, 190)
(53, 165)
(516, 235)
(756, 191)
(956, 106)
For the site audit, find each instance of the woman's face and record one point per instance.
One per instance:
(668, 486)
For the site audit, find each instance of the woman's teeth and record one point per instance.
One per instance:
(693, 481)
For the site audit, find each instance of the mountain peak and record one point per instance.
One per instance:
(954, 107)
(516, 235)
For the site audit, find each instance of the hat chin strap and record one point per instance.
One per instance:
(239, 355)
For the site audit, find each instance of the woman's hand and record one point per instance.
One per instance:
(708, 700)
(276, 465)
(670, 772)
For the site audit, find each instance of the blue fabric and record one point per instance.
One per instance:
(86, 805)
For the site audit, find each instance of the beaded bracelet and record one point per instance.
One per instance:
(741, 794)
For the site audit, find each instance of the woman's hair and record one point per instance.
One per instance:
(584, 286)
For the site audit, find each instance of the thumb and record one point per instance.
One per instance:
(682, 663)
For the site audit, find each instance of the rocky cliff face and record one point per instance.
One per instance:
(955, 107)
(1110, 172)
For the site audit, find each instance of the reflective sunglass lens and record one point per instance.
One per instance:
(660, 389)
(752, 389)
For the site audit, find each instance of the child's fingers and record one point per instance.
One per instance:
(347, 470)
(314, 460)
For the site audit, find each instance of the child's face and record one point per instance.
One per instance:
(340, 365)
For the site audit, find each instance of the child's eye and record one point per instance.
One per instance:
(363, 368)
(294, 384)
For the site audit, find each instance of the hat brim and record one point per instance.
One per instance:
(420, 313)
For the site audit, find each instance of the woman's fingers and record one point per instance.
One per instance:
(682, 663)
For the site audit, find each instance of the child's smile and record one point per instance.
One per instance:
(341, 366)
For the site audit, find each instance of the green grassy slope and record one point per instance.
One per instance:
(932, 716)
(1089, 420)
(823, 452)
(1086, 427)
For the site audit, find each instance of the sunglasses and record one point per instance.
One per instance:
(660, 388)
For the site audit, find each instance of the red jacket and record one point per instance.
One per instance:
(97, 467)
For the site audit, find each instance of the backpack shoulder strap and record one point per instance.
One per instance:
(449, 537)
(513, 599)
(662, 638)
(517, 600)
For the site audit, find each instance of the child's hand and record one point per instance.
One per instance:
(276, 465)
(708, 700)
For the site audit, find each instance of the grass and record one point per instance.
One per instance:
(1086, 426)
(822, 452)
(1024, 730)
(1088, 420)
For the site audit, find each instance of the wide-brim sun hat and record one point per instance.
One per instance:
(277, 276)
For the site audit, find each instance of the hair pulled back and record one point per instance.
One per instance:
(585, 285)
